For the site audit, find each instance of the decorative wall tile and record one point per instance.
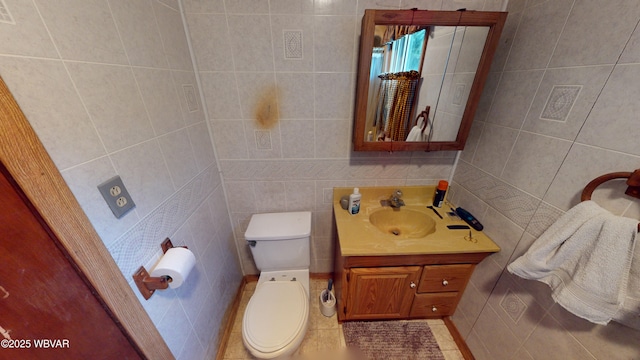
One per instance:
(263, 139)
(191, 97)
(516, 307)
(142, 241)
(293, 48)
(513, 306)
(190, 114)
(265, 144)
(281, 25)
(544, 217)
(572, 113)
(560, 102)
(513, 203)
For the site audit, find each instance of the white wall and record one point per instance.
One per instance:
(239, 49)
(102, 83)
(520, 172)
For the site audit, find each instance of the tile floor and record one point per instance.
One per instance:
(324, 333)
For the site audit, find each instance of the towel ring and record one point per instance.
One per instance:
(633, 182)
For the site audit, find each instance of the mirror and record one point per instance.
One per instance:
(420, 77)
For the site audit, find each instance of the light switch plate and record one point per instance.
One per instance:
(116, 196)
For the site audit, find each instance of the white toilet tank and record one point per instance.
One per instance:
(280, 241)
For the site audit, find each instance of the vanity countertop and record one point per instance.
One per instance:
(359, 237)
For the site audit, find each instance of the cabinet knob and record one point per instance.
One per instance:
(413, 285)
(445, 282)
(434, 309)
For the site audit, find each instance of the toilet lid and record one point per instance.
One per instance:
(275, 315)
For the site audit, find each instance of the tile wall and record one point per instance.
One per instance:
(559, 110)
(241, 55)
(110, 89)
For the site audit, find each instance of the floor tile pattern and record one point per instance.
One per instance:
(324, 334)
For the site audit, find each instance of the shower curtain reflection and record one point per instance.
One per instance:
(395, 99)
(393, 80)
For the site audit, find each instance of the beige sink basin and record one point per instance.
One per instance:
(403, 223)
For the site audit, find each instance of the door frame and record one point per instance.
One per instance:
(32, 168)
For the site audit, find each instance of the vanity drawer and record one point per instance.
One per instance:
(434, 304)
(441, 278)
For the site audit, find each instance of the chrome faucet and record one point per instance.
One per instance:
(394, 201)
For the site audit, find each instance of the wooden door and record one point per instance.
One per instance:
(47, 309)
(381, 293)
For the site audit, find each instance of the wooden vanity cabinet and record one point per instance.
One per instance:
(401, 287)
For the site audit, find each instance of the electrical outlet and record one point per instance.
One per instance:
(116, 196)
(115, 190)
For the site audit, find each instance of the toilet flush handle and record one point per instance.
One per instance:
(252, 243)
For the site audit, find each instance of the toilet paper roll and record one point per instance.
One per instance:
(176, 263)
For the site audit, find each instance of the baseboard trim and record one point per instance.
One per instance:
(235, 306)
(230, 316)
(457, 337)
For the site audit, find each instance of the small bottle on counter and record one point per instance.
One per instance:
(354, 201)
(441, 190)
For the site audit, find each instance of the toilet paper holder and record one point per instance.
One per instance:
(149, 284)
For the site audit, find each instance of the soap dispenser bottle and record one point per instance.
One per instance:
(354, 201)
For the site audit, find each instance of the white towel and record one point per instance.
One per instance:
(585, 257)
(629, 314)
(417, 134)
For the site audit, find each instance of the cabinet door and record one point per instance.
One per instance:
(381, 293)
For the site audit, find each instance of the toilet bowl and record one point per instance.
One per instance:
(276, 319)
(277, 315)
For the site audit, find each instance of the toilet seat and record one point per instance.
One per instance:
(276, 318)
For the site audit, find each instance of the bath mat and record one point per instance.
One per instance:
(397, 340)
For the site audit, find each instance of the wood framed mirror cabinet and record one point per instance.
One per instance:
(420, 77)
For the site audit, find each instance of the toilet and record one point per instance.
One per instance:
(275, 321)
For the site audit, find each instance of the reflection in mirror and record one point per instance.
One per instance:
(423, 77)
(396, 61)
(404, 80)
(449, 68)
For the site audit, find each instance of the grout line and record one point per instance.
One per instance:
(575, 139)
(205, 114)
